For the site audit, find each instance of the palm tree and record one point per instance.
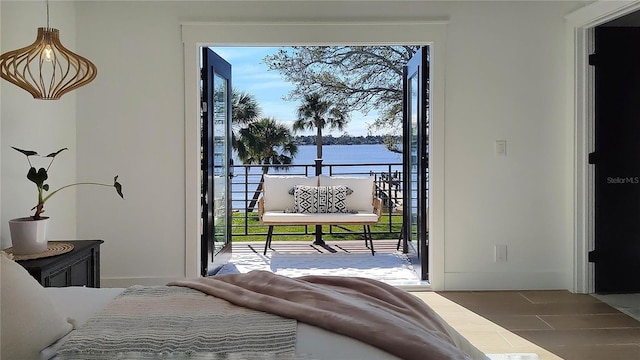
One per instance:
(268, 143)
(316, 113)
(244, 111)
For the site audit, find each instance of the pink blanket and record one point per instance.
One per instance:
(367, 310)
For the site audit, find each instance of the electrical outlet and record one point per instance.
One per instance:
(500, 253)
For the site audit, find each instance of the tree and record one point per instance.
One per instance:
(362, 78)
(244, 111)
(268, 143)
(316, 113)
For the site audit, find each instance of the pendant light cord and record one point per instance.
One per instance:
(47, 14)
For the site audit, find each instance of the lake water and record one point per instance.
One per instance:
(346, 154)
(368, 158)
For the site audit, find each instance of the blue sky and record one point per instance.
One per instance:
(250, 74)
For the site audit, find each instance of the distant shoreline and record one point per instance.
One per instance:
(341, 140)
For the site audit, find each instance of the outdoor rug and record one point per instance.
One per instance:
(384, 267)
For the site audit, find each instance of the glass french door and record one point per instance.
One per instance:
(216, 162)
(416, 157)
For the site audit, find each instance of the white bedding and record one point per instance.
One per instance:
(79, 303)
(34, 316)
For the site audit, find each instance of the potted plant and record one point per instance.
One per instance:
(28, 234)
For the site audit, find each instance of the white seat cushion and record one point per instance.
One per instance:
(282, 218)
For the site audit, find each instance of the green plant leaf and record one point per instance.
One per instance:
(41, 177)
(32, 175)
(26, 152)
(37, 177)
(118, 186)
(52, 155)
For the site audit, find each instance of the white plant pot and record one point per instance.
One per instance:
(28, 236)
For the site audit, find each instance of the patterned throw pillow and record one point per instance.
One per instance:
(320, 199)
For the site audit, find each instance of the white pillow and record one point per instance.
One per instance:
(276, 190)
(29, 319)
(362, 197)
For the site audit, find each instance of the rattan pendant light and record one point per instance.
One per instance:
(46, 69)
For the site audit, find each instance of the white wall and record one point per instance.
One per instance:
(42, 126)
(504, 81)
(1, 237)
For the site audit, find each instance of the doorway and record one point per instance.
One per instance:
(581, 26)
(243, 33)
(616, 160)
(268, 88)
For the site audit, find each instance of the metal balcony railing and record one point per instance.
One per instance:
(246, 189)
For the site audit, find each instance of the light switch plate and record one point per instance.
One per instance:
(501, 147)
(501, 253)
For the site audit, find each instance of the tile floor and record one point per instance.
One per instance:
(492, 339)
(568, 326)
(572, 326)
(627, 303)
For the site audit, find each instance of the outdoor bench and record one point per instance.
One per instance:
(319, 200)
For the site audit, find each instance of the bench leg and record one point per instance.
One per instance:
(400, 237)
(318, 240)
(267, 243)
(367, 235)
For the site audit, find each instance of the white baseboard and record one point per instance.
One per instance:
(505, 281)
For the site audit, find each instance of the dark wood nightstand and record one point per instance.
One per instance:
(79, 267)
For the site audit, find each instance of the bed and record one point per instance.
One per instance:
(233, 316)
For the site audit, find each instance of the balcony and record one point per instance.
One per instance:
(345, 251)
(246, 188)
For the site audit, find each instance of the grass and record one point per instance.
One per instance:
(258, 232)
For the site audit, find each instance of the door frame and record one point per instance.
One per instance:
(579, 37)
(243, 33)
